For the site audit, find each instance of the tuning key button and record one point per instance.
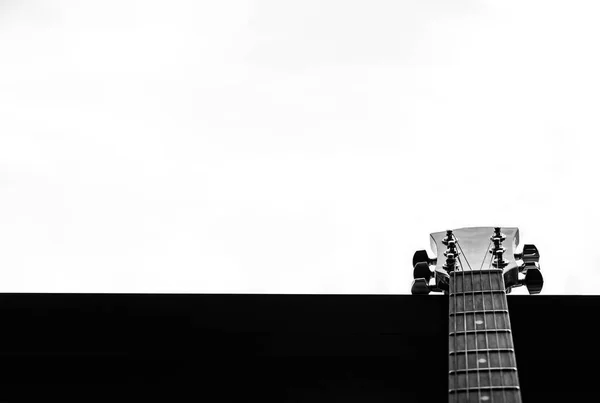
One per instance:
(529, 266)
(534, 280)
(442, 280)
(530, 254)
(420, 286)
(422, 256)
(422, 270)
(511, 278)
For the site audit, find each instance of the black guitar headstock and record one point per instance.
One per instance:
(477, 249)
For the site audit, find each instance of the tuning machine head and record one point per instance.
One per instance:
(534, 281)
(420, 286)
(530, 273)
(529, 254)
(422, 270)
(457, 250)
(423, 256)
(423, 275)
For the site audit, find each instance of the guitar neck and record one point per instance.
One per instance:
(482, 363)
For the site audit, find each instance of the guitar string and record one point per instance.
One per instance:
(454, 290)
(455, 376)
(496, 332)
(462, 251)
(508, 326)
(484, 256)
(472, 289)
(485, 325)
(485, 320)
(480, 274)
(465, 326)
(464, 290)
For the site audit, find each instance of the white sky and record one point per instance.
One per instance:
(291, 147)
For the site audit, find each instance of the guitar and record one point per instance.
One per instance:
(477, 267)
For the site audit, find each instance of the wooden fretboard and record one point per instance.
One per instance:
(482, 363)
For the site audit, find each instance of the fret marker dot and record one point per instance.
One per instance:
(479, 322)
(482, 360)
(485, 398)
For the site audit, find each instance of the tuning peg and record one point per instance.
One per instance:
(422, 270)
(511, 278)
(530, 254)
(442, 281)
(422, 256)
(420, 286)
(534, 280)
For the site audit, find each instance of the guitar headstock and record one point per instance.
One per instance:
(477, 249)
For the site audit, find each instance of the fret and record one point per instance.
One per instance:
(480, 320)
(500, 395)
(491, 339)
(475, 388)
(470, 281)
(479, 301)
(477, 292)
(479, 331)
(485, 359)
(484, 378)
(458, 371)
(479, 311)
(484, 350)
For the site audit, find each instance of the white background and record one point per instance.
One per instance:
(291, 146)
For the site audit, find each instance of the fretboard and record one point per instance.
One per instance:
(482, 364)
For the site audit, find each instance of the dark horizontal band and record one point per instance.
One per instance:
(484, 350)
(478, 388)
(480, 311)
(477, 292)
(479, 331)
(482, 369)
(494, 270)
